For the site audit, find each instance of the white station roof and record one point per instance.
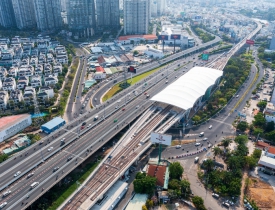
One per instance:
(186, 90)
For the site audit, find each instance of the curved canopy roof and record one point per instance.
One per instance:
(186, 90)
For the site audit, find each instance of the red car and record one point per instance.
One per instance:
(123, 109)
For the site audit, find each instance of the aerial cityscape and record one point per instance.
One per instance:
(137, 104)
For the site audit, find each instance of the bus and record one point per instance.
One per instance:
(33, 185)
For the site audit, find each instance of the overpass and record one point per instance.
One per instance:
(173, 103)
(78, 143)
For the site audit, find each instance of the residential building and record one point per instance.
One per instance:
(36, 82)
(38, 70)
(47, 69)
(267, 161)
(155, 53)
(45, 93)
(81, 17)
(11, 125)
(9, 84)
(107, 14)
(48, 14)
(26, 70)
(269, 112)
(4, 98)
(0, 84)
(3, 73)
(50, 80)
(7, 19)
(22, 82)
(13, 71)
(161, 6)
(136, 16)
(57, 69)
(15, 97)
(24, 13)
(29, 95)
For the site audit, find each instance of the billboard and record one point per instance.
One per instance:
(205, 56)
(161, 138)
(163, 37)
(249, 41)
(132, 69)
(175, 36)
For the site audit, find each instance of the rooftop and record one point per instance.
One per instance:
(271, 150)
(6, 122)
(147, 37)
(52, 123)
(137, 202)
(267, 161)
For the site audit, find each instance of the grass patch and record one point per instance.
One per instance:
(58, 194)
(116, 89)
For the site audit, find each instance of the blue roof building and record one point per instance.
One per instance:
(53, 125)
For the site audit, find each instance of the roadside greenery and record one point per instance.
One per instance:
(228, 182)
(235, 73)
(204, 36)
(198, 202)
(3, 157)
(263, 128)
(175, 170)
(144, 184)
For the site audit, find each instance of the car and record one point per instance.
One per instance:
(231, 203)
(137, 106)
(198, 144)
(201, 134)
(237, 96)
(116, 107)
(209, 145)
(178, 146)
(166, 81)
(215, 195)
(55, 169)
(227, 205)
(84, 123)
(89, 125)
(17, 173)
(30, 175)
(210, 127)
(204, 139)
(69, 158)
(123, 109)
(50, 149)
(2, 205)
(176, 76)
(6, 193)
(63, 139)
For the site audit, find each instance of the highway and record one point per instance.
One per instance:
(42, 162)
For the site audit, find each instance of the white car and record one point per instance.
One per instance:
(17, 173)
(178, 146)
(6, 193)
(204, 139)
(215, 195)
(2, 205)
(237, 96)
(50, 149)
(198, 144)
(210, 127)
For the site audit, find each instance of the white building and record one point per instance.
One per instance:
(136, 16)
(4, 98)
(267, 160)
(99, 75)
(9, 84)
(154, 53)
(11, 125)
(51, 80)
(269, 112)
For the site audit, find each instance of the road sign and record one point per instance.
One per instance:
(205, 56)
(161, 138)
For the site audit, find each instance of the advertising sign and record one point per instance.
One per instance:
(251, 42)
(205, 56)
(175, 36)
(163, 37)
(132, 69)
(161, 138)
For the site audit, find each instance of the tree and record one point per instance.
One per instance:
(242, 126)
(269, 126)
(241, 150)
(217, 151)
(144, 184)
(175, 170)
(3, 157)
(144, 207)
(222, 101)
(242, 139)
(259, 120)
(257, 153)
(198, 202)
(196, 119)
(208, 165)
(149, 203)
(262, 105)
(251, 162)
(135, 52)
(271, 136)
(185, 188)
(225, 143)
(258, 131)
(174, 184)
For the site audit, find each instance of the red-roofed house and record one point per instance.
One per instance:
(262, 145)
(150, 38)
(101, 60)
(11, 125)
(99, 69)
(270, 151)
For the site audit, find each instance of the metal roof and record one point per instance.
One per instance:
(53, 123)
(186, 90)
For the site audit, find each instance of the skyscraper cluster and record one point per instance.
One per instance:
(82, 16)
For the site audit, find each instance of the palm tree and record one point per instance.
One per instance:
(209, 165)
(225, 143)
(217, 151)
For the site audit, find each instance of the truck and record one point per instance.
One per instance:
(96, 117)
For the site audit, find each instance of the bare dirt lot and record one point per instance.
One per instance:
(262, 193)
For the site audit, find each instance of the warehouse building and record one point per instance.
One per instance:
(11, 125)
(53, 125)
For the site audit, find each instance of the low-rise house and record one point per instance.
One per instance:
(26, 70)
(29, 95)
(18, 52)
(38, 70)
(3, 46)
(35, 52)
(5, 40)
(9, 84)
(42, 44)
(50, 80)
(25, 61)
(60, 49)
(57, 69)
(22, 82)
(45, 93)
(15, 40)
(4, 98)
(13, 71)
(15, 97)
(62, 58)
(34, 60)
(42, 58)
(3, 73)
(7, 54)
(0, 84)
(47, 69)
(50, 58)
(36, 81)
